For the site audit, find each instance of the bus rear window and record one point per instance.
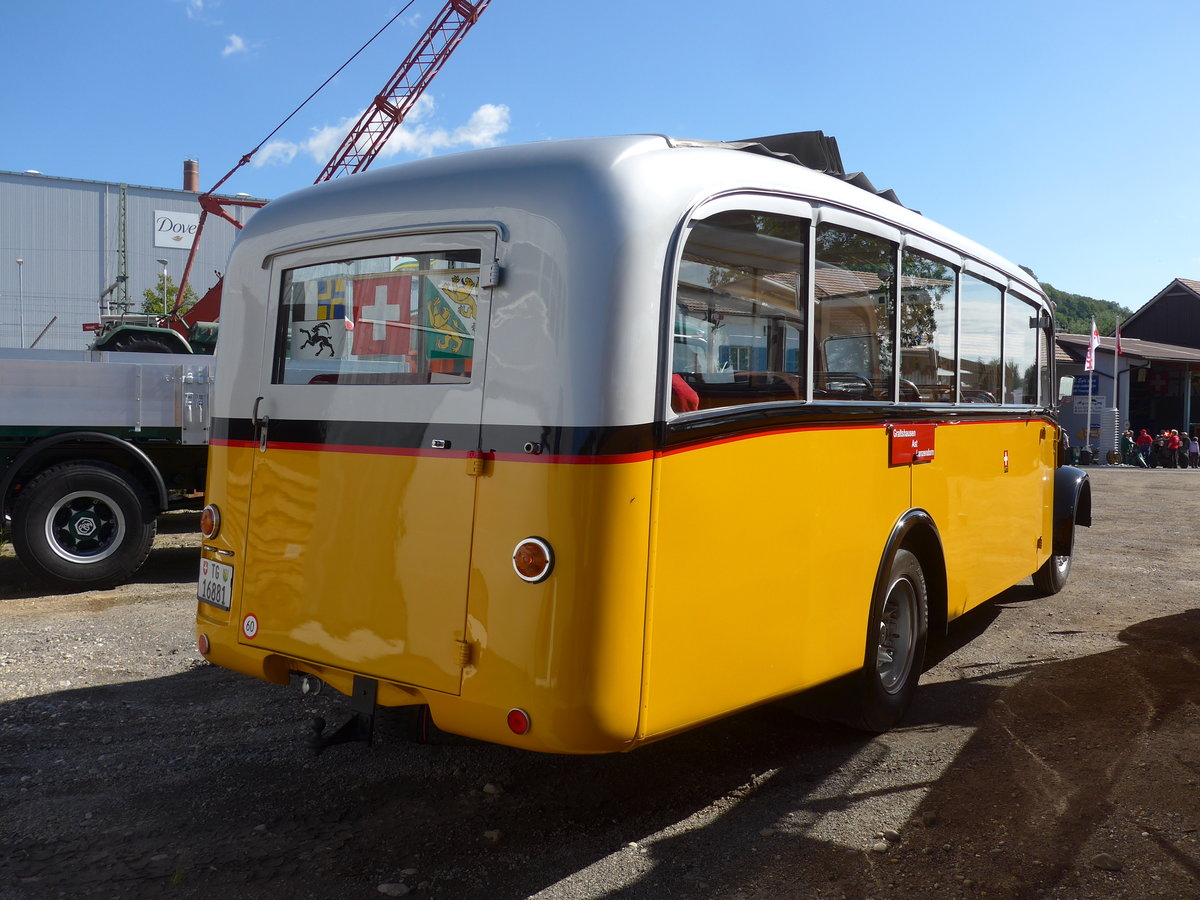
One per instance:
(379, 320)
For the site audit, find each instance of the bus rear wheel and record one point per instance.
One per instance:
(896, 634)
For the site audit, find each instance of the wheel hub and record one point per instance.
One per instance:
(83, 527)
(897, 636)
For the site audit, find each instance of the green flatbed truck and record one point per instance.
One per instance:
(94, 446)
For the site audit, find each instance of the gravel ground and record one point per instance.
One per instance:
(1052, 752)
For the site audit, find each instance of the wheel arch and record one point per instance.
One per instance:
(91, 445)
(917, 532)
(168, 340)
(1072, 506)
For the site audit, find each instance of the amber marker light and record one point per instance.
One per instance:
(518, 721)
(210, 521)
(533, 560)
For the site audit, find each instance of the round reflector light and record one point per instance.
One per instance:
(210, 521)
(533, 559)
(202, 643)
(518, 721)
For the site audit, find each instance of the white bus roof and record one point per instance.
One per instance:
(582, 182)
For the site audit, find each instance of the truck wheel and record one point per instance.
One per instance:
(896, 635)
(83, 526)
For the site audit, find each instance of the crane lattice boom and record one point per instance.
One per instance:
(366, 139)
(360, 147)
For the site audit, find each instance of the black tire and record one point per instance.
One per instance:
(896, 634)
(83, 526)
(141, 344)
(1052, 576)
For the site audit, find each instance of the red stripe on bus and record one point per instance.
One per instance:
(558, 459)
(704, 443)
(601, 459)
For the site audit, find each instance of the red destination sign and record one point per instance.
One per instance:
(911, 444)
(91, 326)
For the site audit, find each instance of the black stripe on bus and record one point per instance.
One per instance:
(608, 441)
(392, 436)
(717, 424)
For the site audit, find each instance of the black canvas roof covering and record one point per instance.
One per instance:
(814, 150)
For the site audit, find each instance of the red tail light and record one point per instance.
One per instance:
(518, 721)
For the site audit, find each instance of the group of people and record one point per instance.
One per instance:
(1170, 449)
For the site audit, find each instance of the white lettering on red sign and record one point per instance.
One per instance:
(911, 444)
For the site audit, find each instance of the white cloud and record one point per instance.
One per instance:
(235, 44)
(200, 10)
(276, 153)
(415, 137)
(324, 141)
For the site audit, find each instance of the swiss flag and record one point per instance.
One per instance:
(381, 315)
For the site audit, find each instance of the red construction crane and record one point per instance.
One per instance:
(362, 144)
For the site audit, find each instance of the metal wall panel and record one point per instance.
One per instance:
(67, 232)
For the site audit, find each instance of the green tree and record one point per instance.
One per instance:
(152, 298)
(1074, 312)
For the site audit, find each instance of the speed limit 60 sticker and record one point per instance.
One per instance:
(250, 626)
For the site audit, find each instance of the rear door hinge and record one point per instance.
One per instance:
(477, 461)
(490, 275)
(463, 653)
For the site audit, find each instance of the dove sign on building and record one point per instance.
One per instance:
(175, 229)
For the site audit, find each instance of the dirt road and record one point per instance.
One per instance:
(1053, 751)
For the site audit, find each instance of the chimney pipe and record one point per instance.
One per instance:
(191, 175)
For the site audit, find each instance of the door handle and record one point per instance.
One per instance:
(261, 424)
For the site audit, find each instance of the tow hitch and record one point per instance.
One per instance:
(358, 727)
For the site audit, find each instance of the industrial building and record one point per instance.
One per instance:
(72, 250)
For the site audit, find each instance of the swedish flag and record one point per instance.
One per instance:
(331, 298)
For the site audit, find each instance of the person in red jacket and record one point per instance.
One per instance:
(1144, 443)
(1173, 444)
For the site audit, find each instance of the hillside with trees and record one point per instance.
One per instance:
(1075, 311)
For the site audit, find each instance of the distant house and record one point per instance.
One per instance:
(1172, 316)
(1158, 372)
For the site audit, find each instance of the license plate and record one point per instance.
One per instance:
(216, 583)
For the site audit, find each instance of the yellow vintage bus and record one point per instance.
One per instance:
(584, 443)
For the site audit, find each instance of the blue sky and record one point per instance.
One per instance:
(1061, 134)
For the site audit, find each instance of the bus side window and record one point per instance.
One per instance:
(1045, 370)
(855, 308)
(979, 341)
(1020, 351)
(738, 333)
(927, 287)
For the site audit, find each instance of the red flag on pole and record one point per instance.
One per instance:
(1118, 339)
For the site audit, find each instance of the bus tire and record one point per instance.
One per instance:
(1052, 576)
(83, 526)
(896, 634)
